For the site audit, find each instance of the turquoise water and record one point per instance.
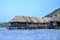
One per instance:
(37, 34)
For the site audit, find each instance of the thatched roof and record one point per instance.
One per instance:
(18, 19)
(29, 19)
(46, 19)
(55, 18)
(34, 19)
(40, 20)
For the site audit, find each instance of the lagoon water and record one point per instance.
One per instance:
(36, 34)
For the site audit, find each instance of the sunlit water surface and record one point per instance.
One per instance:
(37, 34)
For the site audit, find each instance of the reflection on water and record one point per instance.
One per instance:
(36, 34)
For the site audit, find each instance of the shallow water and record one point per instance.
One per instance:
(37, 34)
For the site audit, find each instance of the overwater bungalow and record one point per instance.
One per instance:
(29, 22)
(55, 21)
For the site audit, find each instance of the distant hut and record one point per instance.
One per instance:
(29, 22)
(46, 21)
(18, 21)
(55, 21)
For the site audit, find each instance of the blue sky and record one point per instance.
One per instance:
(35, 8)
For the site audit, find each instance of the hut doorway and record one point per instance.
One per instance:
(58, 23)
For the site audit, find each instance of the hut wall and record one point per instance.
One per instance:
(39, 25)
(54, 24)
(33, 25)
(17, 24)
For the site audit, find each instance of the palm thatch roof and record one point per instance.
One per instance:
(34, 19)
(55, 18)
(46, 19)
(30, 19)
(27, 18)
(40, 20)
(18, 19)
